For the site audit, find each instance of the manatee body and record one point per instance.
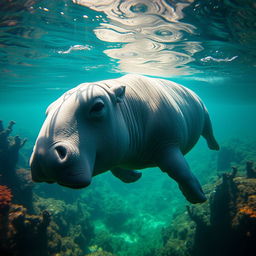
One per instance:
(122, 125)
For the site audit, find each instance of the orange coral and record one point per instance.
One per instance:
(250, 208)
(248, 211)
(5, 197)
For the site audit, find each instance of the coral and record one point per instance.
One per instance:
(5, 204)
(9, 151)
(226, 223)
(24, 193)
(22, 229)
(71, 225)
(19, 181)
(232, 218)
(24, 178)
(244, 209)
(248, 211)
(174, 247)
(5, 198)
(178, 237)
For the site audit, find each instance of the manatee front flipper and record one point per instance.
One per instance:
(173, 162)
(126, 175)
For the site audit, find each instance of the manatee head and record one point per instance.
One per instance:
(83, 135)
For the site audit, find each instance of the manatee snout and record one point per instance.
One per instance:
(59, 163)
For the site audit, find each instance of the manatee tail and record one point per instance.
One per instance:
(208, 133)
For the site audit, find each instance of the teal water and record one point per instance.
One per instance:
(48, 47)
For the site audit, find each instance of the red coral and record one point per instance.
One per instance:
(5, 197)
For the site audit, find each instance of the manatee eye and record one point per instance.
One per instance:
(97, 107)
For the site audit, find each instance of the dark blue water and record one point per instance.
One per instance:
(48, 47)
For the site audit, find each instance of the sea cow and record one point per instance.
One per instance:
(122, 125)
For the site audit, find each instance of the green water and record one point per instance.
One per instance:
(48, 47)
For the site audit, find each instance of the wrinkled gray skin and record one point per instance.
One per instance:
(122, 125)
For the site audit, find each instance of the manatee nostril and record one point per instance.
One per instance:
(61, 151)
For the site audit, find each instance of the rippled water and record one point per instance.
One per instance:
(53, 40)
